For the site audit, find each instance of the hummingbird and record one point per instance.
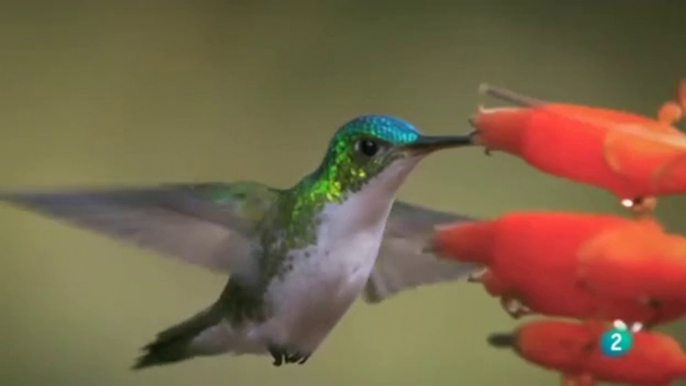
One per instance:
(297, 258)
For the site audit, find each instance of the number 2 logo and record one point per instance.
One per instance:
(616, 339)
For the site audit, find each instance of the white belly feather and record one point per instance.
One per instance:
(313, 297)
(319, 290)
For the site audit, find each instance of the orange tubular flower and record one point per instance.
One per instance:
(637, 263)
(534, 258)
(632, 156)
(574, 350)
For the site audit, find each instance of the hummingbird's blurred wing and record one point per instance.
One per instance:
(210, 225)
(192, 222)
(402, 262)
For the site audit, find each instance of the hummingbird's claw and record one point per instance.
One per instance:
(304, 359)
(297, 358)
(282, 356)
(278, 356)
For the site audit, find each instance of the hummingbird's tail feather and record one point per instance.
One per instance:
(175, 343)
(205, 334)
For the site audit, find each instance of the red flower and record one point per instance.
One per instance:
(574, 350)
(638, 262)
(630, 155)
(534, 258)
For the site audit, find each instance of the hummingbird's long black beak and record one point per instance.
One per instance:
(428, 144)
(502, 340)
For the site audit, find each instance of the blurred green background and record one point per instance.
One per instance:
(140, 92)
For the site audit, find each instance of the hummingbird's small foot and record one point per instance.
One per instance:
(282, 355)
(298, 358)
(303, 360)
(278, 356)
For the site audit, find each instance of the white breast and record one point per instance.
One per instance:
(327, 278)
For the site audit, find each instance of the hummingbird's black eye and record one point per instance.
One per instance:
(367, 147)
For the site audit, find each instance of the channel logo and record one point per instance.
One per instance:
(619, 340)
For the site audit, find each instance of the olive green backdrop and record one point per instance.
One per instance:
(141, 92)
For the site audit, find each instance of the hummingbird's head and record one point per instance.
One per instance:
(379, 147)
